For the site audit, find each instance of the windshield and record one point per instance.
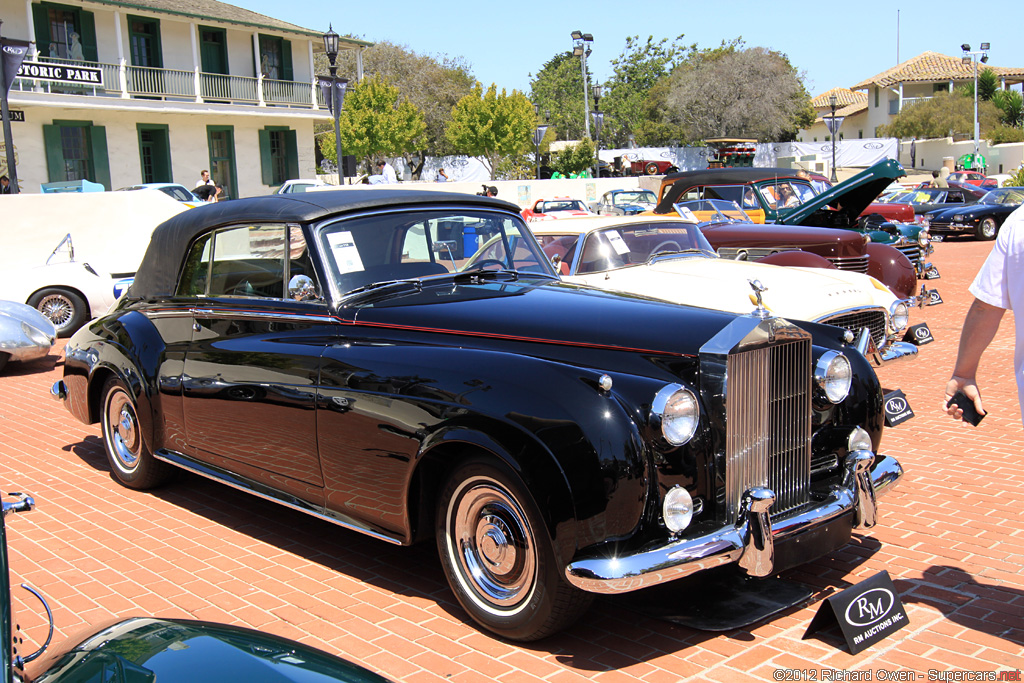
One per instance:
(625, 245)
(785, 194)
(395, 246)
(560, 205)
(919, 196)
(707, 211)
(1010, 195)
(639, 197)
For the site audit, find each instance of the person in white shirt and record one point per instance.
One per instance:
(998, 287)
(204, 179)
(387, 172)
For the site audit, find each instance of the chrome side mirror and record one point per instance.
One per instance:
(302, 288)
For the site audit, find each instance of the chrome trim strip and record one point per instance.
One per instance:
(277, 316)
(265, 492)
(676, 559)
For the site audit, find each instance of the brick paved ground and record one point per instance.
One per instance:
(950, 537)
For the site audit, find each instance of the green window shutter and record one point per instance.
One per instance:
(266, 162)
(88, 36)
(292, 147)
(54, 153)
(158, 47)
(42, 24)
(286, 60)
(100, 161)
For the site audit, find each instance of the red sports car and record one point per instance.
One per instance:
(962, 177)
(558, 207)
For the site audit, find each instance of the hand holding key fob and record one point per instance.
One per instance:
(971, 415)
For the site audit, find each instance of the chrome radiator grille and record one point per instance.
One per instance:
(768, 424)
(873, 319)
(858, 264)
(912, 252)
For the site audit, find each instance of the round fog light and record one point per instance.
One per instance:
(677, 509)
(859, 440)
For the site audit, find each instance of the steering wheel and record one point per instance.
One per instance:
(483, 263)
(667, 245)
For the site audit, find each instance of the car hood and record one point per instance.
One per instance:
(535, 311)
(23, 313)
(849, 197)
(723, 284)
(961, 210)
(146, 650)
(824, 241)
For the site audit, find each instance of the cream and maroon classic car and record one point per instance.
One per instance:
(669, 258)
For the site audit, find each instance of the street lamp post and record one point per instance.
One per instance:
(972, 58)
(598, 117)
(834, 129)
(334, 92)
(538, 137)
(581, 48)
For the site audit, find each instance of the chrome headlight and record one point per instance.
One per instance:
(899, 315)
(676, 411)
(36, 336)
(677, 510)
(923, 237)
(833, 376)
(959, 218)
(925, 222)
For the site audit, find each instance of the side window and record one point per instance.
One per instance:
(248, 261)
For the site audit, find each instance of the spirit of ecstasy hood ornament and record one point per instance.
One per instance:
(761, 312)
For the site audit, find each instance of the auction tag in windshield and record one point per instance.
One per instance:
(897, 408)
(618, 244)
(346, 254)
(919, 334)
(866, 613)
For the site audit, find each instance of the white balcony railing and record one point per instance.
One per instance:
(127, 81)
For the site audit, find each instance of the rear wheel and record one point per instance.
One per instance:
(987, 229)
(131, 459)
(651, 169)
(497, 555)
(65, 309)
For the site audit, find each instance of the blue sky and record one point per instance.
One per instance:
(836, 43)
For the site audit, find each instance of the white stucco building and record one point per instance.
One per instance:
(187, 85)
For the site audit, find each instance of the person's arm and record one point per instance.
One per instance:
(979, 329)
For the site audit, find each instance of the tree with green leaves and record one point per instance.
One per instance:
(635, 72)
(557, 90)
(492, 125)
(433, 84)
(574, 158)
(746, 93)
(376, 122)
(1011, 107)
(940, 116)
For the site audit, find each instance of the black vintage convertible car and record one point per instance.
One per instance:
(982, 220)
(333, 352)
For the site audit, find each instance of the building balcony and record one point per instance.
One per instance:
(142, 82)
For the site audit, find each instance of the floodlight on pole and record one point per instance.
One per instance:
(581, 49)
(973, 58)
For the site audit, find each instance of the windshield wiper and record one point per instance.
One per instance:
(379, 289)
(673, 252)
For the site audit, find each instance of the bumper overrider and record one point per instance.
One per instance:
(750, 543)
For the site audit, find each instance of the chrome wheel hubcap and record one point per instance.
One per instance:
(492, 544)
(122, 431)
(58, 309)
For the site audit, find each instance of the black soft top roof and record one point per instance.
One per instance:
(158, 273)
(677, 183)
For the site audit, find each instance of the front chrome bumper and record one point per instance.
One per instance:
(897, 350)
(751, 541)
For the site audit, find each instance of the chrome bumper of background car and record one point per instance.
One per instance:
(897, 350)
(748, 543)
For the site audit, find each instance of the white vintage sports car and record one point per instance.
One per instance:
(668, 258)
(66, 291)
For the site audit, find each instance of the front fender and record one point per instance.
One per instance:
(890, 266)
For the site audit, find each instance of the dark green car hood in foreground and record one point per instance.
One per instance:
(144, 650)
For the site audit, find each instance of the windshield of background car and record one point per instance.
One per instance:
(742, 195)
(1009, 196)
(714, 211)
(785, 194)
(643, 197)
(563, 205)
(404, 245)
(635, 243)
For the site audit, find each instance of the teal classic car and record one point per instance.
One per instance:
(786, 196)
(146, 649)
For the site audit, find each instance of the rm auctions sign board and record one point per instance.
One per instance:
(866, 612)
(63, 73)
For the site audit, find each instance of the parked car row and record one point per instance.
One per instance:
(334, 353)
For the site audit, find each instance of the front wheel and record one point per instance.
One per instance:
(131, 459)
(498, 558)
(987, 229)
(65, 309)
